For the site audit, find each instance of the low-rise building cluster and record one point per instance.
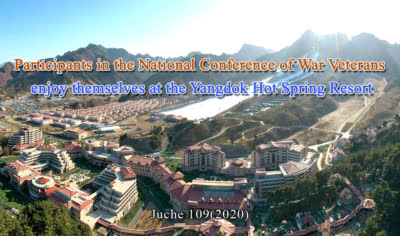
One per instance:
(273, 165)
(290, 160)
(95, 117)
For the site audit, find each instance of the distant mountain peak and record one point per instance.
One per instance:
(92, 45)
(193, 53)
(251, 52)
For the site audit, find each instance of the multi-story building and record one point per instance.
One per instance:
(73, 148)
(106, 176)
(20, 173)
(27, 137)
(41, 187)
(287, 173)
(143, 166)
(119, 192)
(200, 193)
(272, 154)
(45, 157)
(103, 153)
(204, 157)
(207, 194)
(77, 202)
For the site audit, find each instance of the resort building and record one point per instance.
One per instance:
(102, 153)
(118, 193)
(77, 202)
(73, 149)
(75, 133)
(143, 166)
(272, 154)
(45, 157)
(20, 173)
(41, 187)
(27, 137)
(207, 194)
(200, 193)
(238, 167)
(287, 173)
(204, 157)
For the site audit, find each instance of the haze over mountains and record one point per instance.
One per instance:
(364, 47)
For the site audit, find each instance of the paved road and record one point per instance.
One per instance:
(138, 215)
(7, 208)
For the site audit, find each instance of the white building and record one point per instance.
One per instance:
(118, 193)
(101, 152)
(41, 187)
(287, 174)
(272, 154)
(47, 157)
(27, 137)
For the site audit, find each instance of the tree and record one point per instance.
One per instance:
(397, 119)
(48, 218)
(232, 139)
(371, 227)
(12, 226)
(7, 151)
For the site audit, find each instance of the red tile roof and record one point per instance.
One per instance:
(49, 147)
(51, 190)
(18, 166)
(72, 147)
(76, 131)
(128, 173)
(78, 206)
(43, 180)
(67, 192)
(205, 147)
(140, 160)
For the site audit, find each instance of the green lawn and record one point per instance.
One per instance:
(173, 164)
(11, 197)
(134, 209)
(132, 212)
(84, 165)
(161, 196)
(158, 193)
(8, 159)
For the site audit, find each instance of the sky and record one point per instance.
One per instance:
(32, 30)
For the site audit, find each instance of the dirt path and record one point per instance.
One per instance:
(220, 132)
(248, 139)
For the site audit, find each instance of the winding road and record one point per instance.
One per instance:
(221, 132)
(357, 116)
